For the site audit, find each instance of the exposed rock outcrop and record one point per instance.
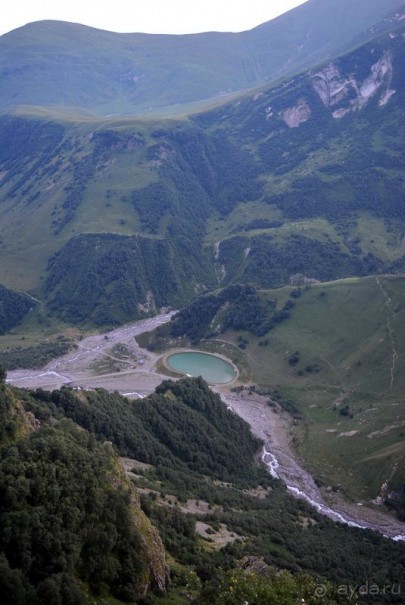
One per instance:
(294, 116)
(344, 93)
(157, 575)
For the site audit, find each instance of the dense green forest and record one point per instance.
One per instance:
(238, 307)
(184, 426)
(13, 307)
(66, 517)
(68, 529)
(270, 265)
(107, 278)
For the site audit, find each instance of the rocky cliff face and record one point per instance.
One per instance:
(345, 85)
(157, 574)
(294, 116)
(343, 93)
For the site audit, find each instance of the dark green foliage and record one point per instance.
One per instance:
(272, 528)
(82, 172)
(59, 589)
(184, 425)
(362, 188)
(181, 194)
(3, 374)
(177, 531)
(34, 146)
(236, 445)
(62, 518)
(270, 264)
(104, 278)
(294, 359)
(240, 308)
(173, 420)
(198, 174)
(15, 589)
(8, 421)
(13, 307)
(110, 417)
(237, 174)
(152, 203)
(287, 405)
(36, 356)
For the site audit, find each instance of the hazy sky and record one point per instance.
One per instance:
(148, 16)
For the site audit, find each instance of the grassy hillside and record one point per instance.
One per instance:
(104, 221)
(110, 73)
(335, 350)
(237, 194)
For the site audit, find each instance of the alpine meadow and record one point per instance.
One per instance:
(239, 195)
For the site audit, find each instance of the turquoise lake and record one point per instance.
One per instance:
(212, 368)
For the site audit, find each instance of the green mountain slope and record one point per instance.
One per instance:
(104, 221)
(242, 209)
(335, 350)
(13, 307)
(156, 429)
(71, 523)
(191, 441)
(62, 64)
(106, 278)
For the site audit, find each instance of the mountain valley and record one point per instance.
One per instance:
(236, 194)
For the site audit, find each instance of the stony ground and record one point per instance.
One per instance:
(133, 376)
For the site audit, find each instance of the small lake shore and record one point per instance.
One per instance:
(163, 363)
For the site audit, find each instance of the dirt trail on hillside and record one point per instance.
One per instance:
(138, 377)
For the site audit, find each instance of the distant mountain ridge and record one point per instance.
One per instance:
(54, 63)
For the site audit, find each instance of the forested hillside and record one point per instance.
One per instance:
(126, 216)
(78, 535)
(70, 521)
(13, 307)
(108, 278)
